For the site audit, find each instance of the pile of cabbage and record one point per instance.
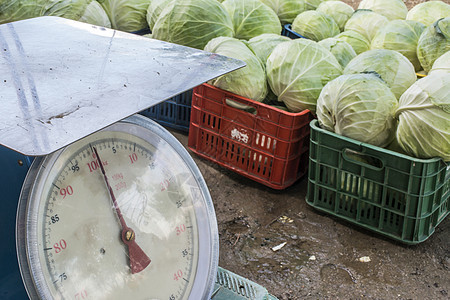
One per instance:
(356, 70)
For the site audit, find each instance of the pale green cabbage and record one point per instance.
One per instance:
(358, 42)
(424, 117)
(95, 14)
(441, 64)
(298, 70)
(338, 10)
(358, 106)
(16, 10)
(154, 10)
(315, 25)
(394, 68)
(434, 41)
(286, 10)
(126, 15)
(401, 36)
(249, 81)
(391, 9)
(193, 23)
(251, 18)
(262, 45)
(343, 51)
(366, 22)
(429, 12)
(312, 4)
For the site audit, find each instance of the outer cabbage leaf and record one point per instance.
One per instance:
(313, 4)
(126, 15)
(286, 10)
(391, 9)
(358, 106)
(298, 70)
(251, 18)
(338, 10)
(193, 23)
(394, 68)
(434, 41)
(249, 81)
(16, 10)
(442, 64)
(429, 12)
(95, 14)
(343, 51)
(401, 36)
(154, 10)
(358, 42)
(424, 117)
(366, 22)
(315, 25)
(262, 45)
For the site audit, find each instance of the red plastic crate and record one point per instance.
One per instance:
(267, 145)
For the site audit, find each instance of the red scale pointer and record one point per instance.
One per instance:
(138, 259)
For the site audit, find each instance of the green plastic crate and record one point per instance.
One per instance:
(396, 195)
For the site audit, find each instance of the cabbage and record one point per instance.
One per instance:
(250, 81)
(394, 68)
(424, 117)
(340, 49)
(391, 9)
(366, 22)
(442, 63)
(434, 41)
(312, 4)
(193, 23)
(286, 10)
(16, 10)
(358, 42)
(315, 25)
(262, 45)
(338, 10)
(401, 36)
(297, 71)
(429, 12)
(358, 106)
(251, 18)
(154, 10)
(126, 15)
(88, 11)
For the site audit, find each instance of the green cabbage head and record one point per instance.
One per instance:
(154, 10)
(391, 9)
(366, 22)
(394, 68)
(193, 23)
(429, 12)
(358, 106)
(358, 42)
(249, 81)
(126, 15)
(442, 64)
(401, 36)
(312, 4)
(338, 10)
(286, 10)
(298, 70)
(424, 117)
(315, 25)
(434, 41)
(251, 18)
(262, 45)
(16, 10)
(340, 49)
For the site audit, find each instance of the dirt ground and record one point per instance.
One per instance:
(321, 257)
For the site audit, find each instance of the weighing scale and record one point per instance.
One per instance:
(104, 203)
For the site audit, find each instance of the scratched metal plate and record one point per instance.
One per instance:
(61, 80)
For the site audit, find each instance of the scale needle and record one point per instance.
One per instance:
(138, 259)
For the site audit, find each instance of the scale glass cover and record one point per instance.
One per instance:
(113, 206)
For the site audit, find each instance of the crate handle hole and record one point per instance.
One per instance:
(363, 159)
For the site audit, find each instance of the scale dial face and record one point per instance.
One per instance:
(73, 231)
